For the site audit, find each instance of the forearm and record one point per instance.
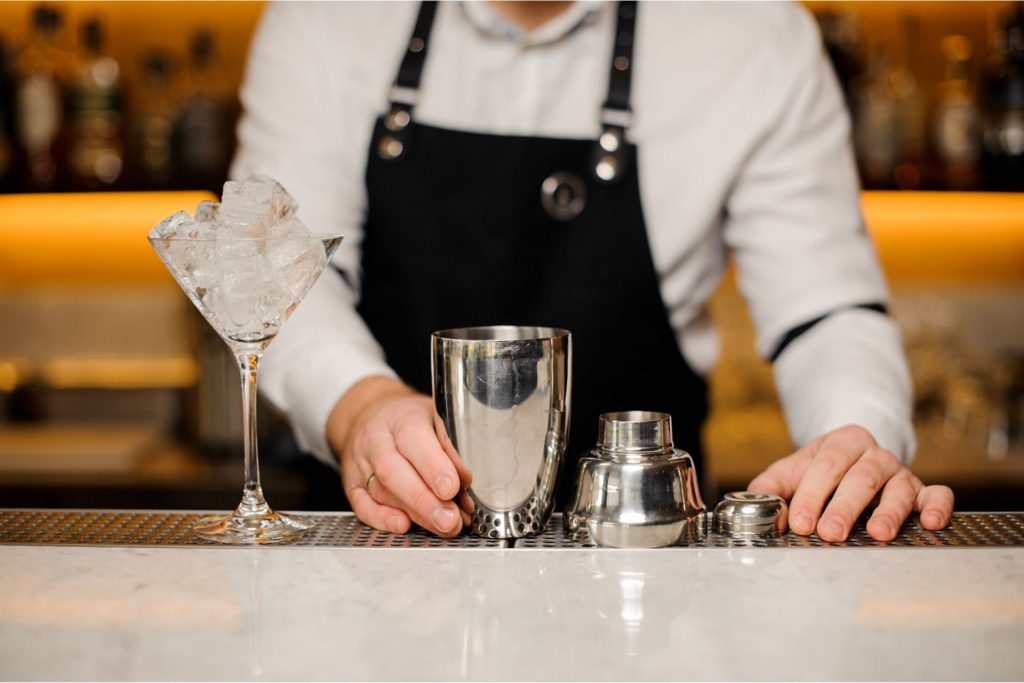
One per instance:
(323, 351)
(848, 369)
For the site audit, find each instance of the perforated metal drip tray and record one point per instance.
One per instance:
(174, 528)
(342, 530)
(967, 529)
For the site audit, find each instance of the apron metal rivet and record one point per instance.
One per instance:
(563, 195)
(416, 45)
(389, 148)
(621, 63)
(610, 140)
(397, 119)
(607, 168)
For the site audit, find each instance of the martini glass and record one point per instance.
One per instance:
(246, 288)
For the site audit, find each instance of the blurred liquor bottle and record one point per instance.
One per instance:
(889, 117)
(203, 130)
(1003, 106)
(956, 123)
(38, 101)
(152, 137)
(912, 110)
(7, 149)
(876, 122)
(95, 150)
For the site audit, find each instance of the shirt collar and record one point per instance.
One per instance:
(483, 17)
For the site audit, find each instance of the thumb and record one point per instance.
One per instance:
(767, 482)
(782, 477)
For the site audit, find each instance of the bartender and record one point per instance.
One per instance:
(590, 166)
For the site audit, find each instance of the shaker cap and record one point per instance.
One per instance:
(751, 514)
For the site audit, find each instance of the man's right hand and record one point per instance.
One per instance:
(397, 464)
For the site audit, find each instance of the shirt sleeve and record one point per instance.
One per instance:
(794, 226)
(292, 130)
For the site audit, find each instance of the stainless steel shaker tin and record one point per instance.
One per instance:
(503, 395)
(635, 490)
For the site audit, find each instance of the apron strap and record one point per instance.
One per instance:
(394, 142)
(616, 106)
(610, 158)
(610, 152)
(411, 70)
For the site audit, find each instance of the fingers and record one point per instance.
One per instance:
(418, 442)
(356, 481)
(832, 456)
(894, 507)
(383, 517)
(848, 470)
(414, 474)
(868, 474)
(783, 475)
(380, 508)
(903, 494)
(382, 495)
(936, 506)
(398, 477)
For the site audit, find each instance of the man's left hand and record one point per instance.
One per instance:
(847, 466)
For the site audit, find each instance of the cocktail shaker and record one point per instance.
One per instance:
(635, 490)
(503, 395)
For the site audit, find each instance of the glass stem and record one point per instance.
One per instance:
(252, 495)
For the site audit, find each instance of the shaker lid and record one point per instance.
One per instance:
(751, 514)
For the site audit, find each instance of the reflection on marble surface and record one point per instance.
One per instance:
(385, 614)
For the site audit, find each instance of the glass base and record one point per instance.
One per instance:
(252, 529)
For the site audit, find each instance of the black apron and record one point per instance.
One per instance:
(475, 229)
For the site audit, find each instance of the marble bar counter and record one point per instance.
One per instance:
(510, 613)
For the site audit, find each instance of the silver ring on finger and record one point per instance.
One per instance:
(369, 480)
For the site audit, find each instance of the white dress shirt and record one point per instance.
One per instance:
(743, 150)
